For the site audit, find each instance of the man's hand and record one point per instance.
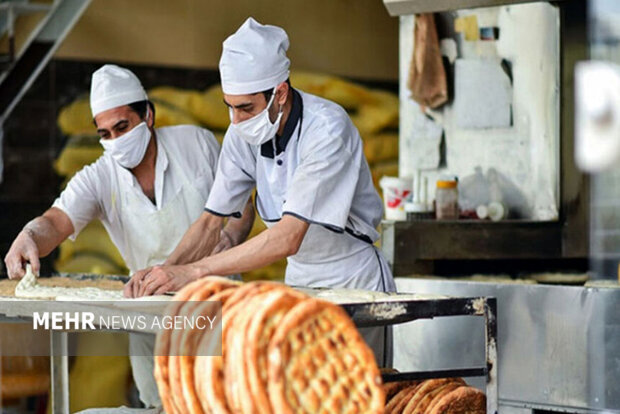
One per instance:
(159, 280)
(24, 249)
(38, 238)
(225, 243)
(132, 287)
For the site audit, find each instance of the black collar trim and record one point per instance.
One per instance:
(296, 115)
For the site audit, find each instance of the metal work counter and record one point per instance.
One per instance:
(390, 309)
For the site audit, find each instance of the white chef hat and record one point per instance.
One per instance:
(254, 59)
(113, 86)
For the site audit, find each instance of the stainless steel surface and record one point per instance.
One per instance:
(59, 370)
(559, 346)
(402, 7)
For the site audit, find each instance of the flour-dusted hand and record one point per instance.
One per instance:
(23, 250)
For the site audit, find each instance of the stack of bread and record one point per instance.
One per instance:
(281, 352)
(434, 396)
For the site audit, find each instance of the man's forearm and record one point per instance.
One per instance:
(239, 229)
(48, 231)
(198, 241)
(271, 245)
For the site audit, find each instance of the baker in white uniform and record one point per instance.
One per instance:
(147, 188)
(313, 185)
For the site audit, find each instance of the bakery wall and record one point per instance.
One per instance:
(521, 154)
(175, 43)
(353, 38)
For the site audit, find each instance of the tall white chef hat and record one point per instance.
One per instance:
(113, 86)
(254, 59)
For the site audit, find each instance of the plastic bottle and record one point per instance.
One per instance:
(447, 199)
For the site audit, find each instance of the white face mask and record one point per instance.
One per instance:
(129, 149)
(258, 129)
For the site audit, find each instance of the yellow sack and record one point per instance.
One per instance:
(274, 271)
(346, 94)
(99, 380)
(168, 115)
(371, 119)
(385, 168)
(78, 152)
(210, 108)
(219, 136)
(381, 147)
(313, 83)
(92, 239)
(89, 263)
(179, 98)
(76, 118)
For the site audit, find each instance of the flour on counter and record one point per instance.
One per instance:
(29, 288)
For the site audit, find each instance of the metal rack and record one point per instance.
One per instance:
(394, 309)
(382, 313)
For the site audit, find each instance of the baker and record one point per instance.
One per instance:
(147, 188)
(305, 158)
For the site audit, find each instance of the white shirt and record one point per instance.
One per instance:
(95, 191)
(319, 174)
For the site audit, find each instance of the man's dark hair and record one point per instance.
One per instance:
(139, 107)
(268, 92)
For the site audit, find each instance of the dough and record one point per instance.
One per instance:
(29, 288)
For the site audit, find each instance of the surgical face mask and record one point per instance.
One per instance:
(258, 129)
(129, 149)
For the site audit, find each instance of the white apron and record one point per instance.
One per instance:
(149, 239)
(325, 258)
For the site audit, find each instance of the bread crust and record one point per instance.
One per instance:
(463, 400)
(318, 362)
(200, 289)
(261, 328)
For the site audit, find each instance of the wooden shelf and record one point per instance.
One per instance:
(406, 7)
(405, 242)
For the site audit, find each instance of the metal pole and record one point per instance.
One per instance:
(59, 364)
(490, 319)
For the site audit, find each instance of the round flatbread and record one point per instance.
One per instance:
(445, 390)
(189, 348)
(260, 329)
(426, 387)
(237, 387)
(423, 404)
(318, 362)
(204, 288)
(392, 388)
(210, 369)
(400, 400)
(463, 400)
(234, 380)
